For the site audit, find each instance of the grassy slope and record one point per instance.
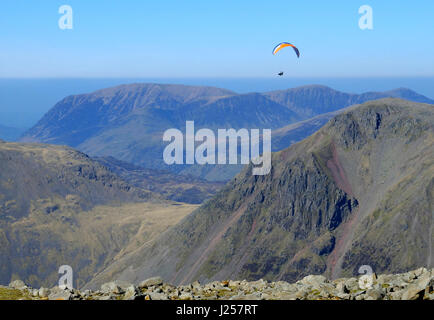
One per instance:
(58, 206)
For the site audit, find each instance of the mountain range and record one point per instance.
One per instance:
(350, 185)
(127, 122)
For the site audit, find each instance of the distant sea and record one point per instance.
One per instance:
(24, 101)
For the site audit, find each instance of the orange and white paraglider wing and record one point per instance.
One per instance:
(282, 45)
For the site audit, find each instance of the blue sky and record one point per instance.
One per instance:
(215, 38)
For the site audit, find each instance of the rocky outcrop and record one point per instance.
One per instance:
(171, 186)
(413, 285)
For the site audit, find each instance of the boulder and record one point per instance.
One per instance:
(416, 290)
(17, 284)
(131, 293)
(111, 287)
(160, 296)
(374, 294)
(342, 288)
(43, 292)
(259, 284)
(313, 280)
(60, 294)
(155, 281)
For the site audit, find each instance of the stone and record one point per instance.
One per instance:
(225, 283)
(111, 287)
(17, 284)
(384, 278)
(259, 284)
(174, 295)
(131, 293)
(374, 294)
(124, 285)
(86, 293)
(106, 297)
(44, 292)
(155, 281)
(412, 292)
(396, 295)
(287, 296)
(313, 280)
(408, 277)
(60, 294)
(418, 272)
(417, 284)
(398, 284)
(343, 296)
(342, 288)
(251, 296)
(361, 297)
(233, 283)
(195, 285)
(185, 296)
(352, 284)
(158, 296)
(416, 290)
(267, 296)
(285, 286)
(430, 286)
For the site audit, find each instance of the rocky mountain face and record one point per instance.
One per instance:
(357, 192)
(180, 188)
(60, 207)
(128, 121)
(413, 285)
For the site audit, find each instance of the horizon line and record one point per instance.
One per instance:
(213, 77)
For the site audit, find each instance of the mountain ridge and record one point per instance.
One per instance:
(185, 188)
(128, 121)
(58, 206)
(332, 203)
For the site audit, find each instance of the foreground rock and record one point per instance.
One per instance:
(413, 285)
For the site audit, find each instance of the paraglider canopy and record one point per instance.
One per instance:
(282, 45)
